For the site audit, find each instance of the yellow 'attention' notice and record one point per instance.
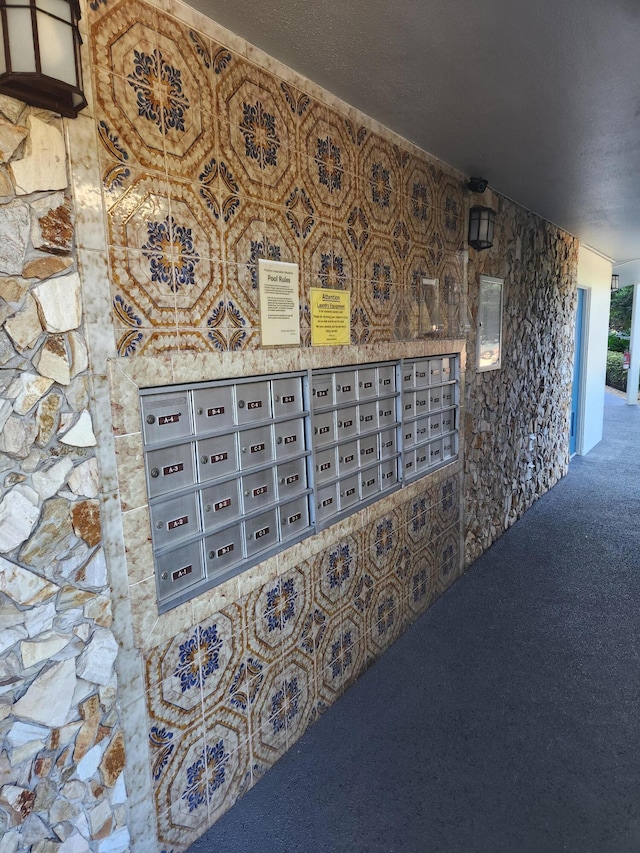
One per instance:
(330, 317)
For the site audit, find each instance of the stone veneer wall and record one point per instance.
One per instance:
(531, 393)
(61, 745)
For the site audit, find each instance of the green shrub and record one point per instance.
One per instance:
(617, 344)
(616, 376)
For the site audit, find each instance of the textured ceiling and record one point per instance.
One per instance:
(542, 98)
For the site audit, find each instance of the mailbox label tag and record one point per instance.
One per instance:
(177, 522)
(173, 469)
(181, 573)
(163, 420)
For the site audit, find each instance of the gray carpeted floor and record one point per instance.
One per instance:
(507, 719)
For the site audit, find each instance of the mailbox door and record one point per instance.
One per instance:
(422, 430)
(423, 458)
(435, 371)
(367, 383)
(179, 569)
(258, 489)
(348, 457)
(326, 502)
(448, 420)
(221, 504)
(261, 532)
(409, 464)
(289, 439)
(324, 429)
(388, 445)
(287, 396)
(386, 379)
(322, 391)
(421, 373)
(165, 417)
(170, 468)
(174, 520)
(409, 434)
(217, 457)
(435, 425)
(370, 482)
(449, 445)
(347, 423)
(346, 387)
(368, 416)
(255, 446)
(435, 399)
(408, 404)
(292, 478)
(448, 395)
(387, 412)
(253, 402)
(435, 451)
(326, 465)
(368, 450)
(388, 473)
(294, 517)
(213, 408)
(349, 491)
(223, 550)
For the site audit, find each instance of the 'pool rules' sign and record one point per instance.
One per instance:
(279, 303)
(330, 317)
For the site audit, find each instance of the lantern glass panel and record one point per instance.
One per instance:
(59, 8)
(57, 58)
(21, 48)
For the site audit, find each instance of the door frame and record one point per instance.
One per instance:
(582, 341)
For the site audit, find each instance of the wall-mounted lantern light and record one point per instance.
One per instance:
(615, 282)
(40, 54)
(482, 222)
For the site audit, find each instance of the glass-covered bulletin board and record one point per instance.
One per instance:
(489, 337)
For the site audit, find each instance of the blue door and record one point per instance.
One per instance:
(577, 369)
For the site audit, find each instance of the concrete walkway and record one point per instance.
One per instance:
(507, 719)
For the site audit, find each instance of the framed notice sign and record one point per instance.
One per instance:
(489, 336)
(330, 317)
(279, 303)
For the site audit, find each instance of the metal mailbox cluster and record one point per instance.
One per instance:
(237, 470)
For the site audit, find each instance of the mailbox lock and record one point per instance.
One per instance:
(212, 554)
(277, 398)
(201, 411)
(241, 404)
(279, 439)
(159, 525)
(155, 472)
(151, 419)
(207, 508)
(164, 576)
(204, 459)
(282, 481)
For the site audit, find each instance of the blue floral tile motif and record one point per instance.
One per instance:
(281, 604)
(385, 537)
(261, 249)
(125, 312)
(380, 185)
(114, 176)
(329, 162)
(339, 566)
(401, 240)
(386, 614)
(447, 496)
(128, 343)
(381, 281)
(297, 103)
(419, 585)
(401, 156)
(199, 657)
(201, 48)
(420, 202)
(332, 272)
(221, 59)
(449, 289)
(448, 560)
(418, 514)
(436, 249)
(451, 214)
(150, 76)
(171, 254)
(360, 326)
(246, 683)
(341, 654)
(358, 228)
(358, 136)
(231, 315)
(284, 705)
(211, 763)
(162, 746)
(313, 630)
(260, 137)
(417, 274)
(300, 213)
(363, 593)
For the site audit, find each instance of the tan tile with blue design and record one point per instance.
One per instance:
(380, 282)
(328, 258)
(246, 242)
(275, 613)
(144, 201)
(112, 24)
(287, 227)
(382, 540)
(447, 557)
(419, 518)
(298, 101)
(385, 618)
(336, 572)
(227, 756)
(298, 699)
(328, 163)
(257, 130)
(274, 701)
(182, 790)
(145, 341)
(448, 501)
(451, 211)
(420, 583)
(141, 288)
(420, 201)
(380, 183)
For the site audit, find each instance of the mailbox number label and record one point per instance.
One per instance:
(168, 419)
(222, 504)
(177, 522)
(348, 458)
(327, 502)
(346, 389)
(290, 398)
(218, 410)
(261, 490)
(257, 448)
(254, 404)
(181, 573)
(262, 532)
(325, 466)
(290, 439)
(349, 492)
(292, 479)
(173, 469)
(226, 549)
(219, 457)
(293, 518)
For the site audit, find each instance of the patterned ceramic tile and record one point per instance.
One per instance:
(448, 503)
(419, 519)
(287, 227)
(140, 296)
(328, 161)
(451, 212)
(227, 755)
(385, 615)
(111, 29)
(246, 242)
(144, 341)
(381, 279)
(257, 131)
(380, 183)
(447, 557)
(227, 327)
(337, 571)
(275, 613)
(451, 275)
(275, 700)
(419, 197)
(420, 583)
(296, 698)
(382, 542)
